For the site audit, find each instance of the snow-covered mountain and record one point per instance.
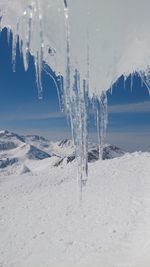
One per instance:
(18, 152)
(15, 152)
(109, 151)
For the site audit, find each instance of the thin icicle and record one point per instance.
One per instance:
(24, 33)
(61, 92)
(80, 132)
(14, 51)
(1, 17)
(38, 71)
(9, 33)
(39, 55)
(29, 29)
(59, 79)
(76, 104)
(68, 90)
(67, 87)
(111, 88)
(142, 83)
(28, 15)
(101, 113)
(131, 81)
(125, 78)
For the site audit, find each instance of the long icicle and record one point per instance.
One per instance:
(101, 112)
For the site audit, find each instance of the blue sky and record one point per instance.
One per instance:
(22, 112)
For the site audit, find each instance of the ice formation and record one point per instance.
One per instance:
(90, 44)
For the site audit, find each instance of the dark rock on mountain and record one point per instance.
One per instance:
(7, 162)
(37, 154)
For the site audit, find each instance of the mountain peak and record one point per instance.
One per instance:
(3, 132)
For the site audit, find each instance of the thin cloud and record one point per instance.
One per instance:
(20, 117)
(130, 141)
(130, 108)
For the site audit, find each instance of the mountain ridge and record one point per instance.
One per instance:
(20, 150)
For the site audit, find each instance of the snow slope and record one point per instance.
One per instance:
(43, 224)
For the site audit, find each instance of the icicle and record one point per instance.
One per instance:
(111, 88)
(80, 133)
(141, 82)
(14, 51)
(0, 19)
(68, 90)
(59, 90)
(38, 72)
(76, 106)
(101, 112)
(61, 93)
(99, 128)
(40, 57)
(29, 29)
(9, 34)
(131, 81)
(125, 78)
(67, 87)
(28, 15)
(21, 31)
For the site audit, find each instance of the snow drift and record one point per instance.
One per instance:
(41, 224)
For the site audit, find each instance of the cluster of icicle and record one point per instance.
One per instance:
(75, 100)
(90, 55)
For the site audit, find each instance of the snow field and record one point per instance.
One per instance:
(42, 223)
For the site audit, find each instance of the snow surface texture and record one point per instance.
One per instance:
(91, 43)
(41, 224)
